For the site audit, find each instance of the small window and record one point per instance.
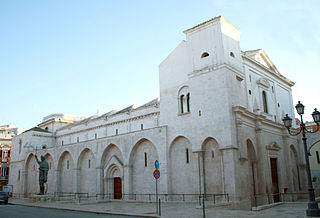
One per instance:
(250, 78)
(78, 139)
(141, 126)
(95, 136)
(46, 128)
(199, 113)
(89, 164)
(19, 175)
(145, 159)
(231, 54)
(188, 102)
(117, 131)
(318, 159)
(62, 142)
(249, 92)
(20, 145)
(264, 101)
(182, 102)
(187, 155)
(44, 146)
(278, 105)
(67, 164)
(212, 154)
(272, 89)
(204, 54)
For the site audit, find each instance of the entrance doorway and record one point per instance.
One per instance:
(275, 182)
(117, 188)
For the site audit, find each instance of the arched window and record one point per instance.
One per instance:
(264, 101)
(204, 54)
(184, 100)
(188, 102)
(182, 103)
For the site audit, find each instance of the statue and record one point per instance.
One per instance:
(43, 172)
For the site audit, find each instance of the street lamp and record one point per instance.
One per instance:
(313, 209)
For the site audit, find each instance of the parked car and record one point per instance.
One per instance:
(4, 197)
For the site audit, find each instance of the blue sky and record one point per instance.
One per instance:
(78, 56)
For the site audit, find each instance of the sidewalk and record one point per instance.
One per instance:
(168, 209)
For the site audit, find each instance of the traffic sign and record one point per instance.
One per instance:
(156, 164)
(156, 174)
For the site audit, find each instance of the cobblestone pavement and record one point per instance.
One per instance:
(288, 210)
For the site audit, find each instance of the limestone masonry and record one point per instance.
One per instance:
(217, 129)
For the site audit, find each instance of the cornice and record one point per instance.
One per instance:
(273, 73)
(110, 124)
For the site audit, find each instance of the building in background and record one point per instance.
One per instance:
(7, 132)
(217, 130)
(313, 142)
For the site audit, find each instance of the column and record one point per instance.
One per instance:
(126, 182)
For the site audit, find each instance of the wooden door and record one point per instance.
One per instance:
(117, 184)
(275, 182)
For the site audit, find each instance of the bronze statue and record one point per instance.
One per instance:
(43, 172)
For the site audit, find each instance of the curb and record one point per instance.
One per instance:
(86, 211)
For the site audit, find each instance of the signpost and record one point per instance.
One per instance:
(156, 175)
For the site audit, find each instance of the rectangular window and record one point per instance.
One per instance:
(145, 159)
(187, 155)
(95, 136)
(318, 159)
(62, 142)
(67, 164)
(19, 175)
(141, 126)
(117, 131)
(89, 164)
(78, 139)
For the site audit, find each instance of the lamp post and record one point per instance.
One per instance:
(313, 209)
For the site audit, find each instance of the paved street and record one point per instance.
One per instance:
(168, 209)
(17, 211)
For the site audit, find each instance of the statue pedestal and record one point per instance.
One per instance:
(36, 198)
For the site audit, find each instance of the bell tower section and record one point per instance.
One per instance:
(208, 64)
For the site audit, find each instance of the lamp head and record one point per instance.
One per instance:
(287, 121)
(300, 108)
(316, 116)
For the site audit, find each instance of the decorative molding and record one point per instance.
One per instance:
(273, 147)
(263, 82)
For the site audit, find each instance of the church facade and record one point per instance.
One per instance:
(217, 129)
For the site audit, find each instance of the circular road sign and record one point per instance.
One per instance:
(156, 164)
(156, 174)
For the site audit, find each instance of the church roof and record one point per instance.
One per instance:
(37, 129)
(261, 57)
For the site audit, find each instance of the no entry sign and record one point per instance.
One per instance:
(156, 174)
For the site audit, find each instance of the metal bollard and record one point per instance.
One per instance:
(203, 208)
(159, 207)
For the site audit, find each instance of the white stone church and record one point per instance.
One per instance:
(216, 129)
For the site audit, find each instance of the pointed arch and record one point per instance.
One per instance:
(141, 162)
(212, 166)
(31, 172)
(87, 175)
(65, 171)
(296, 185)
(252, 171)
(51, 186)
(181, 165)
(111, 158)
